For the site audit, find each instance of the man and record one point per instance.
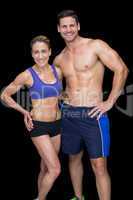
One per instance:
(84, 119)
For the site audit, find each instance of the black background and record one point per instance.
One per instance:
(19, 159)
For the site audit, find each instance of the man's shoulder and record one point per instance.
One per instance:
(61, 53)
(59, 57)
(99, 42)
(92, 41)
(89, 42)
(96, 43)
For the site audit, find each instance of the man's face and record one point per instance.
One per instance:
(68, 28)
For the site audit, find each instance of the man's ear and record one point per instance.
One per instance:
(78, 26)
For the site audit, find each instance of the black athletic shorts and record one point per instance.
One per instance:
(45, 128)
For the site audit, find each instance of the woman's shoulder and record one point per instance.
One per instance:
(28, 71)
(23, 76)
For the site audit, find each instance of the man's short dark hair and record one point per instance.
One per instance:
(67, 13)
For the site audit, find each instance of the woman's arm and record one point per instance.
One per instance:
(11, 89)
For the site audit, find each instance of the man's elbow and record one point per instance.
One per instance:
(125, 72)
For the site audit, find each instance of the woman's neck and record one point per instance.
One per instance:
(43, 68)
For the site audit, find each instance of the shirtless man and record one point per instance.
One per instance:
(84, 118)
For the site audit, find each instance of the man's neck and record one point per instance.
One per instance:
(71, 46)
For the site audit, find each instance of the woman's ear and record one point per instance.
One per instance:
(50, 52)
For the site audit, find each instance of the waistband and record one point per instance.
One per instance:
(69, 106)
(44, 122)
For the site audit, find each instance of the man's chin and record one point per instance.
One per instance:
(69, 39)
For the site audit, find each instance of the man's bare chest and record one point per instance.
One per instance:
(79, 63)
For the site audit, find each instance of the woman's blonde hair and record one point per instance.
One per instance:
(40, 38)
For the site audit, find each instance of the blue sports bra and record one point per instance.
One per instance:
(41, 90)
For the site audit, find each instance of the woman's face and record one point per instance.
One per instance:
(41, 53)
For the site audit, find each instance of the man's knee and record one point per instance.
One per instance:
(99, 167)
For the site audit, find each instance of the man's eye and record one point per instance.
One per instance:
(43, 51)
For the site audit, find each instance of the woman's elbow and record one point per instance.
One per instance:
(2, 95)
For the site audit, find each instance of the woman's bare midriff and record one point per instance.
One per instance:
(46, 109)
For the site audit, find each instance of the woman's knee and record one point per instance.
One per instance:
(56, 170)
(42, 166)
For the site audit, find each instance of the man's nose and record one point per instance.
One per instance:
(68, 29)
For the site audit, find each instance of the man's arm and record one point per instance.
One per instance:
(59, 72)
(57, 63)
(113, 61)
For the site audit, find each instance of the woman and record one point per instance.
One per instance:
(43, 122)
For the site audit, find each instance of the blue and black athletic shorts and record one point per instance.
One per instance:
(79, 131)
